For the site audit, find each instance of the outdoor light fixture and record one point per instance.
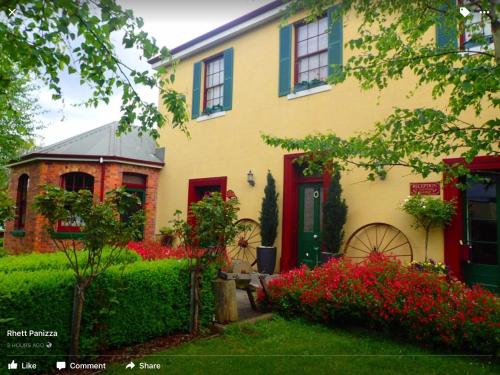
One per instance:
(250, 178)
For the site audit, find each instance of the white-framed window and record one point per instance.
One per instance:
(311, 51)
(214, 82)
(478, 28)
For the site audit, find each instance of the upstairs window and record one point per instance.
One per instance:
(478, 30)
(75, 181)
(214, 84)
(311, 51)
(21, 201)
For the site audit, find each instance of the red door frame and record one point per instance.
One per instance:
(454, 253)
(210, 181)
(291, 180)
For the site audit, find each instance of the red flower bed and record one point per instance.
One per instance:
(153, 250)
(381, 293)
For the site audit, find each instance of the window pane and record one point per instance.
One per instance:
(303, 77)
(302, 33)
(322, 25)
(314, 62)
(221, 77)
(308, 210)
(209, 94)
(323, 59)
(222, 90)
(323, 73)
(215, 79)
(312, 29)
(313, 74)
(312, 45)
(323, 41)
(302, 48)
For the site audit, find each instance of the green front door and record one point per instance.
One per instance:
(309, 229)
(482, 233)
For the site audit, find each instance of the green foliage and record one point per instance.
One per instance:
(44, 39)
(269, 212)
(118, 312)
(215, 220)
(428, 213)
(7, 208)
(58, 261)
(100, 222)
(392, 43)
(334, 216)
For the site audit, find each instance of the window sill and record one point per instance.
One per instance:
(312, 91)
(209, 117)
(477, 49)
(18, 233)
(68, 235)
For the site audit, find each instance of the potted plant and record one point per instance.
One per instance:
(266, 253)
(167, 236)
(428, 213)
(334, 218)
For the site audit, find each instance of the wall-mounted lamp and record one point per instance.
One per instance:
(250, 178)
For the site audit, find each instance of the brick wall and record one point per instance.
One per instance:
(43, 172)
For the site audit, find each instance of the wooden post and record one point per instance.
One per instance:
(226, 308)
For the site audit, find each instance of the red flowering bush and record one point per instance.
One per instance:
(381, 293)
(153, 250)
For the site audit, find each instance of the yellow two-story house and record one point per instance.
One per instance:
(246, 78)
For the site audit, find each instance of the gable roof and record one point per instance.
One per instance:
(229, 30)
(102, 142)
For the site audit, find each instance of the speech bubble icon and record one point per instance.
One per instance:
(60, 365)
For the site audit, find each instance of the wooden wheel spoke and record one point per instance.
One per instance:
(365, 245)
(357, 248)
(392, 239)
(369, 241)
(380, 237)
(395, 247)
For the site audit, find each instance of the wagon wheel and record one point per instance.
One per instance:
(245, 245)
(380, 237)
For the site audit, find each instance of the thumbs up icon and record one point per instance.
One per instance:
(12, 365)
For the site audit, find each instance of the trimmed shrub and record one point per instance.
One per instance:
(123, 306)
(55, 261)
(381, 293)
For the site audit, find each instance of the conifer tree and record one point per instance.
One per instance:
(269, 212)
(334, 216)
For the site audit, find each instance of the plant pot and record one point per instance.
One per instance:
(325, 257)
(266, 259)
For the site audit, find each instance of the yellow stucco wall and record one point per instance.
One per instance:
(231, 145)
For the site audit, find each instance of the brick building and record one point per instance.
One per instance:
(97, 160)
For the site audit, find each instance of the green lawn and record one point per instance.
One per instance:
(296, 347)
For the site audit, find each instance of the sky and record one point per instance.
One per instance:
(171, 23)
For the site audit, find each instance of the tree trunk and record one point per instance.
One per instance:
(78, 300)
(194, 324)
(427, 230)
(226, 307)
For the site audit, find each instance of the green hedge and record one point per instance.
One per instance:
(55, 260)
(122, 307)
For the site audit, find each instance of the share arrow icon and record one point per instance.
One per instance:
(464, 11)
(131, 365)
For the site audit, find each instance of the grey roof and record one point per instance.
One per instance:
(104, 142)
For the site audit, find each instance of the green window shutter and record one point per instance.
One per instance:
(335, 43)
(228, 79)
(285, 60)
(446, 35)
(195, 108)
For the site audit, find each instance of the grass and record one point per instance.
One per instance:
(288, 347)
